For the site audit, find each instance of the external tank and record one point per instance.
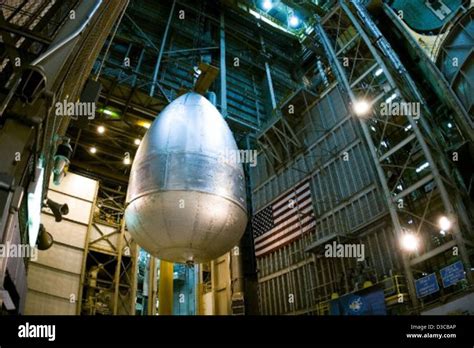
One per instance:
(185, 201)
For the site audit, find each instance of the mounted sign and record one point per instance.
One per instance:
(452, 274)
(426, 286)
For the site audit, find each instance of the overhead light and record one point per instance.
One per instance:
(101, 129)
(126, 159)
(422, 167)
(111, 114)
(294, 21)
(442, 232)
(410, 242)
(361, 107)
(444, 223)
(93, 150)
(137, 141)
(267, 5)
(391, 98)
(144, 124)
(378, 72)
(450, 125)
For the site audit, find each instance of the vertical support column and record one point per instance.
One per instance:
(223, 67)
(198, 289)
(134, 278)
(151, 286)
(165, 293)
(118, 268)
(86, 252)
(162, 48)
(214, 286)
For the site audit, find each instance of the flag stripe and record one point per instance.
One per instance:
(285, 219)
(289, 195)
(277, 236)
(285, 241)
(295, 215)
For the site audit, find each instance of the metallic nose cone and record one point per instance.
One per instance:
(184, 202)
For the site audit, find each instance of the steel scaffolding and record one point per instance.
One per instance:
(412, 171)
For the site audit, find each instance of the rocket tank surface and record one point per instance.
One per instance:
(184, 202)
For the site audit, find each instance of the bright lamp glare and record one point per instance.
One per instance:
(361, 107)
(410, 242)
(294, 21)
(101, 129)
(379, 72)
(267, 5)
(444, 223)
(137, 142)
(93, 150)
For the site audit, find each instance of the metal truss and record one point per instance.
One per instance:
(108, 279)
(458, 45)
(280, 140)
(412, 171)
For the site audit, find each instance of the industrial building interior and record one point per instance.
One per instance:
(236, 157)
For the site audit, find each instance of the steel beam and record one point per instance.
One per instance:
(223, 67)
(162, 49)
(371, 146)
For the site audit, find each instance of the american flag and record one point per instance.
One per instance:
(286, 219)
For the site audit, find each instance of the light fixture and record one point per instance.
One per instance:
(137, 141)
(391, 98)
(267, 5)
(410, 242)
(294, 21)
(450, 125)
(422, 167)
(93, 150)
(126, 159)
(57, 209)
(110, 114)
(361, 107)
(101, 129)
(378, 72)
(45, 239)
(144, 124)
(442, 232)
(444, 223)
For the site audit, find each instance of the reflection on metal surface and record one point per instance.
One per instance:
(184, 203)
